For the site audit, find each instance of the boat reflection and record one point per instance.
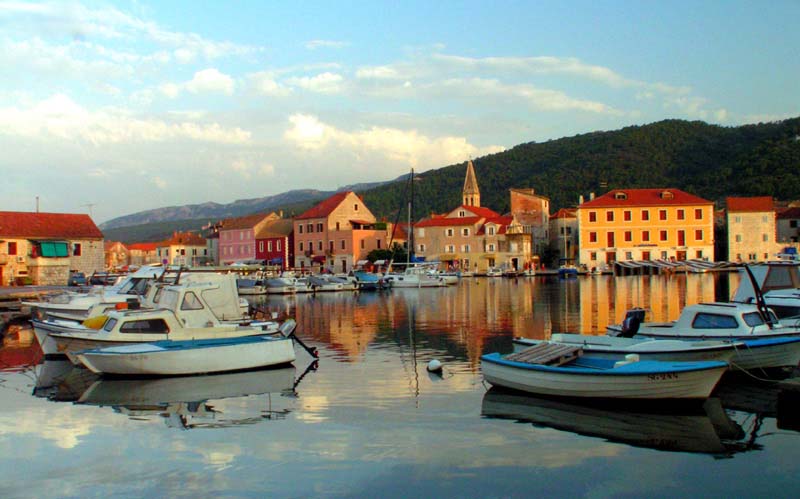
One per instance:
(705, 429)
(185, 402)
(61, 381)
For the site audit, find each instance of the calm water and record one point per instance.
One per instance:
(370, 421)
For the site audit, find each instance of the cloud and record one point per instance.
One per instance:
(316, 44)
(60, 117)
(409, 147)
(264, 83)
(211, 80)
(323, 83)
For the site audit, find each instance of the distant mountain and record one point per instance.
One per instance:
(211, 211)
(706, 160)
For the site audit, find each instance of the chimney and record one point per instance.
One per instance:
(580, 199)
(280, 213)
(591, 196)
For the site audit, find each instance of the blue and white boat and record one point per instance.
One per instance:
(367, 281)
(184, 357)
(592, 377)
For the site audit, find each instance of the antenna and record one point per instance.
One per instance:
(89, 205)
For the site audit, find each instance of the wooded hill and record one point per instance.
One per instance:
(710, 161)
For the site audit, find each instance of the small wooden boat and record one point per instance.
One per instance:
(182, 357)
(563, 370)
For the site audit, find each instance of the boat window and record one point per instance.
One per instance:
(109, 325)
(714, 321)
(191, 302)
(144, 326)
(168, 299)
(753, 319)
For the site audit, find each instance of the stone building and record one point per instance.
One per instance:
(42, 248)
(116, 255)
(751, 229)
(183, 248)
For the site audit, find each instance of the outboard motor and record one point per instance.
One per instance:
(630, 325)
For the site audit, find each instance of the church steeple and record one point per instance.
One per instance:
(471, 195)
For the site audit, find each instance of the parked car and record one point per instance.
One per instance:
(76, 279)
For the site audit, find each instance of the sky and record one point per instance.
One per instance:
(110, 108)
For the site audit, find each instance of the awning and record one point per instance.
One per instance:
(53, 249)
(363, 262)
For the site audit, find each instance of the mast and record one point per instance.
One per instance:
(411, 220)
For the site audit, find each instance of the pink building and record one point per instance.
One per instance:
(237, 237)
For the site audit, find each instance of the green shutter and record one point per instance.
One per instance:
(48, 249)
(61, 249)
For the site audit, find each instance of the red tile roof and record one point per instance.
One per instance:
(143, 246)
(478, 211)
(448, 222)
(246, 222)
(564, 213)
(324, 208)
(751, 204)
(47, 225)
(185, 239)
(501, 221)
(644, 197)
(793, 212)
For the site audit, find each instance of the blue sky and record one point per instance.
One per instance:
(128, 106)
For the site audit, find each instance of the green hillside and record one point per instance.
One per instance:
(706, 160)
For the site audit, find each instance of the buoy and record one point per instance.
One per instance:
(434, 366)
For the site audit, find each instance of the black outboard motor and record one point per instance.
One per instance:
(630, 325)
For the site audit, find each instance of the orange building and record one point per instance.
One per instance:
(645, 224)
(336, 233)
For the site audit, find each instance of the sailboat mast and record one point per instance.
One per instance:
(411, 220)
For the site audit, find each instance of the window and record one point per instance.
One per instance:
(593, 237)
(792, 224)
(76, 249)
(194, 251)
(50, 249)
(738, 238)
(628, 237)
(698, 254)
(593, 255)
(465, 232)
(698, 213)
(109, 325)
(241, 235)
(362, 244)
(753, 319)
(627, 215)
(462, 213)
(448, 232)
(610, 239)
(645, 255)
(628, 255)
(330, 245)
(662, 235)
(355, 207)
(269, 246)
(450, 248)
(301, 245)
(378, 241)
(737, 219)
(490, 247)
(765, 238)
(261, 246)
(663, 255)
(319, 227)
(183, 251)
(705, 320)
(337, 226)
(300, 229)
(278, 245)
(681, 214)
(698, 235)
(645, 236)
(191, 302)
(465, 248)
(309, 228)
(490, 230)
(764, 219)
(609, 216)
(342, 244)
(12, 248)
(319, 245)
(593, 216)
(421, 248)
(645, 215)
(662, 214)
(144, 326)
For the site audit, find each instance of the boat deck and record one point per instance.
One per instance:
(549, 354)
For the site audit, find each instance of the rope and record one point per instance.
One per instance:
(740, 368)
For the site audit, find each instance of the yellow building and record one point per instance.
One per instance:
(645, 224)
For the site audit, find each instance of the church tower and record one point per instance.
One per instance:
(471, 195)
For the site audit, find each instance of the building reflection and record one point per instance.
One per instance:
(483, 314)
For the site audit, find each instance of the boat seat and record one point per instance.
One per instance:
(549, 354)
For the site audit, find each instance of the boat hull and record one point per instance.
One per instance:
(189, 357)
(667, 382)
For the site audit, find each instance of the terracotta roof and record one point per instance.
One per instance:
(501, 221)
(246, 222)
(478, 211)
(324, 208)
(564, 213)
(400, 232)
(793, 212)
(183, 238)
(644, 197)
(143, 246)
(751, 204)
(47, 225)
(277, 228)
(448, 222)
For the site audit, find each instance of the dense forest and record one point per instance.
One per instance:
(706, 160)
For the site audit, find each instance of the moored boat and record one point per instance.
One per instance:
(577, 375)
(184, 357)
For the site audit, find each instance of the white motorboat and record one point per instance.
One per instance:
(413, 276)
(779, 284)
(723, 322)
(576, 375)
(190, 310)
(98, 300)
(194, 356)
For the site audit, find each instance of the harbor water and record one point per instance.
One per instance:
(368, 420)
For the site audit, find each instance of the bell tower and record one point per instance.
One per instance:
(471, 195)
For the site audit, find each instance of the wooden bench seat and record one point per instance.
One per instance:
(549, 354)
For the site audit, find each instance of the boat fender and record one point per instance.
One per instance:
(629, 359)
(434, 366)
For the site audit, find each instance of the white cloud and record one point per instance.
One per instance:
(332, 44)
(60, 117)
(211, 80)
(264, 83)
(324, 83)
(409, 147)
(378, 73)
(171, 90)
